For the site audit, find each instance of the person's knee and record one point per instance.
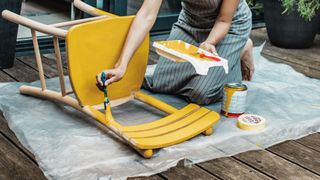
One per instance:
(206, 95)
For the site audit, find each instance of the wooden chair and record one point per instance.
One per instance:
(94, 44)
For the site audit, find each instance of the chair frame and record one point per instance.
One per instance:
(62, 96)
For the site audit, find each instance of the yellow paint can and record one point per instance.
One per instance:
(234, 99)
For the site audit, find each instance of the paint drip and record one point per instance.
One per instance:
(234, 99)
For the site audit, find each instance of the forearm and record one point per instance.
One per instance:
(218, 32)
(140, 27)
(223, 22)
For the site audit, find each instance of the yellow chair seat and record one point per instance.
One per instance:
(174, 132)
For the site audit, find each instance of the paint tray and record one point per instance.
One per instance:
(180, 51)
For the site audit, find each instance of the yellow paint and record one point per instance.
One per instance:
(179, 135)
(184, 48)
(155, 103)
(229, 94)
(96, 46)
(179, 123)
(187, 110)
(148, 153)
(101, 12)
(108, 113)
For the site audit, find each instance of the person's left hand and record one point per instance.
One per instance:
(209, 47)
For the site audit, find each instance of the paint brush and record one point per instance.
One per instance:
(103, 80)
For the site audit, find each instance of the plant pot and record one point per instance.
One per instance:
(289, 30)
(8, 33)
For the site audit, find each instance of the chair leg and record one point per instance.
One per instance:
(208, 132)
(147, 153)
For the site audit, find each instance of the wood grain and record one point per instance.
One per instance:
(186, 173)
(15, 165)
(5, 77)
(311, 141)
(154, 177)
(229, 168)
(49, 65)
(299, 154)
(6, 131)
(306, 61)
(22, 72)
(275, 166)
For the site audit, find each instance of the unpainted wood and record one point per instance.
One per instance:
(275, 166)
(306, 61)
(38, 59)
(186, 173)
(312, 141)
(6, 131)
(229, 168)
(59, 65)
(15, 165)
(22, 72)
(258, 36)
(299, 154)
(15, 18)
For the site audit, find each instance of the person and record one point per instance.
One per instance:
(219, 26)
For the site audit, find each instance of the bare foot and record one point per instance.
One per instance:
(247, 66)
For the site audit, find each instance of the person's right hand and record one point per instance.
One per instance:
(113, 75)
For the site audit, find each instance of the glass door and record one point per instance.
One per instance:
(168, 14)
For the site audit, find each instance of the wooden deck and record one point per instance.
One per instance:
(296, 159)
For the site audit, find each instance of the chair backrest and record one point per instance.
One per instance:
(96, 46)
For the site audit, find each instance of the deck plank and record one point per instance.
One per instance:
(15, 165)
(306, 61)
(49, 65)
(22, 72)
(275, 166)
(185, 173)
(299, 154)
(6, 131)
(312, 141)
(5, 77)
(52, 57)
(229, 168)
(154, 177)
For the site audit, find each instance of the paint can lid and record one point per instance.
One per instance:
(238, 86)
(251, 122)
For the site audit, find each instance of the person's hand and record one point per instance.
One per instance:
(209, 47)
(113, 75)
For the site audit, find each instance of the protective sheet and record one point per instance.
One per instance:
(68, 145)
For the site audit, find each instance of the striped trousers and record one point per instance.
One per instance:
(182, 80)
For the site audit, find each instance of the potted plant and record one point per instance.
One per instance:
(8, 33)
(292, 23)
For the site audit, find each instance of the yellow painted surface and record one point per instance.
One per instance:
(155, 103)
(229, 94)
(101, 12)
(182, 47)
(175, 125)
(96, 46)
(164, 121)
(180, 135)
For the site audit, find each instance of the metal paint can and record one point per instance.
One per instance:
(234, 99)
